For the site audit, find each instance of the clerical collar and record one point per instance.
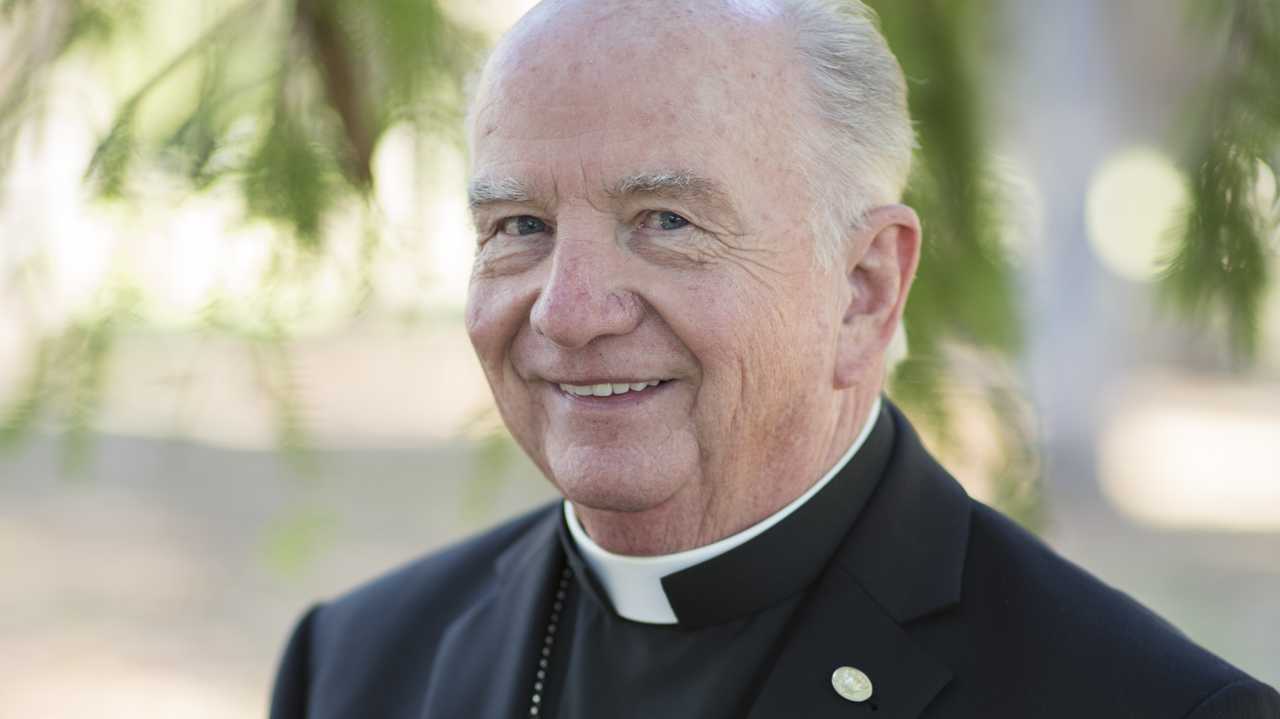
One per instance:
(750, 570)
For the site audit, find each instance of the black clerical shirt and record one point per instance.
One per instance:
(732, 611)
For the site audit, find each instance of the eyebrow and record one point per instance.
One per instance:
(488, 191)
(677, 185)
(671, 184)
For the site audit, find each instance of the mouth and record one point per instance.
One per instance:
(612, 389)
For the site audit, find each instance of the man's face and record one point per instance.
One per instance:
(645, 302)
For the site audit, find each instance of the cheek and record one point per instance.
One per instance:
(764, 351)
(494, 315)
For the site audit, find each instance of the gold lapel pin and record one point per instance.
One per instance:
(851, 684)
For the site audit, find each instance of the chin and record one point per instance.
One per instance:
(618, 480)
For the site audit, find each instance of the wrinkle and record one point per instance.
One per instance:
(747, 259)
(752, 260)
(485, 266)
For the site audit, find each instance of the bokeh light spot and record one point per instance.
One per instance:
(1132, 204)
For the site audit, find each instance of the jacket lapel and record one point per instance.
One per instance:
(487, 658)
(842, 626)
(903, 559)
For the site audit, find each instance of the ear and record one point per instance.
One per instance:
(880, 264)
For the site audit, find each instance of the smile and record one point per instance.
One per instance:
(608, 389)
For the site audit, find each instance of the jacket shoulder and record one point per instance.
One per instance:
(1056, 641)
(365, 652)
(1246, 699)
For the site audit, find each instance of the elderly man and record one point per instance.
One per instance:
(690, 267)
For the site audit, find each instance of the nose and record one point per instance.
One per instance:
(584, 297)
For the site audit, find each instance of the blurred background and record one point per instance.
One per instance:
(234, 250)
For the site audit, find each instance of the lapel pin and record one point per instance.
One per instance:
(851, 684)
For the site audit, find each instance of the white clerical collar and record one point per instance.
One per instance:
(634, 584)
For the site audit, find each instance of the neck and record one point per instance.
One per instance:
(706, 512)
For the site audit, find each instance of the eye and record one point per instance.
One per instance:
(522, 225)
(664, 220)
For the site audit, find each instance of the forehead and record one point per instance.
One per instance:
(612, 86)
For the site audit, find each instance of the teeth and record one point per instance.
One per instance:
(607, 390)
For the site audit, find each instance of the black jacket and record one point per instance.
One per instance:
(952, 609)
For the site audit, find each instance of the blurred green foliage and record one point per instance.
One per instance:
(965, 293)
(1220, 265)
(964, 288)
(290, 99)
(298, 130)
(67, 377)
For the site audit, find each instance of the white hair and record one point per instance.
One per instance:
(859, 152)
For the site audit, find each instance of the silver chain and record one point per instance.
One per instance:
(548, 642)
